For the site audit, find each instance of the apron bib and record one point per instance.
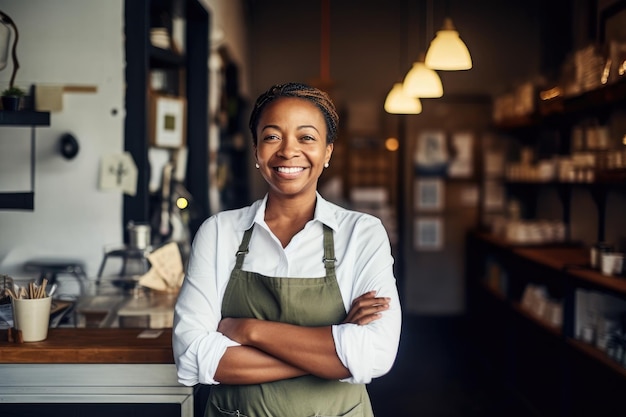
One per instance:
(300, 301)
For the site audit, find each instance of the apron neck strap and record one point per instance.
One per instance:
(243, 247)
(329, 251)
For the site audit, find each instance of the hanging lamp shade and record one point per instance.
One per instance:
(399, 103)
(447, 51)
(422, 81)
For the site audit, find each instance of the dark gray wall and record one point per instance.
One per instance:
(373, 44)
(369, 50)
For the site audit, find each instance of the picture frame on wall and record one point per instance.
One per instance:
(462, 158)
(429, 194)
(431, 153)
(428, 234)
(167, 121)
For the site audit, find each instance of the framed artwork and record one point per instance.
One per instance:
(429, 194)
(167, 121)
(462, 158)
(428, 234)
(431, 153)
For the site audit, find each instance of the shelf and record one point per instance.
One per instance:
(572, 259)
(596, 279)
(17, 201)
(517, 307)
(598, 355)
(24, 118)
(165, 58)
(595, 101)
(557, 258)
(493, 292)
(608, 177)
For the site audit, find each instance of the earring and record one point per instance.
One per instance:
(326, 165)
(256, 166)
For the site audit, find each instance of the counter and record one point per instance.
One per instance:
(85, 365)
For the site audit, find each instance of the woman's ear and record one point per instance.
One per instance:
(329, 151)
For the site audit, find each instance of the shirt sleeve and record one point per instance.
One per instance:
(369, 351)
(197, 345)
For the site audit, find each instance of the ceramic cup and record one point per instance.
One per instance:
(612, 263)
(597, 249)
(32, 317)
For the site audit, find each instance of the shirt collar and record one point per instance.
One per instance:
(324, 213)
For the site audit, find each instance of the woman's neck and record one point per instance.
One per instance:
(286, 217)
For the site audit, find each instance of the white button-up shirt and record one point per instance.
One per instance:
(364, 263)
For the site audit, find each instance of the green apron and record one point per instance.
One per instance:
(300, 301)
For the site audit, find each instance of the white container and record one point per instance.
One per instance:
(612, 263)
(32, 317)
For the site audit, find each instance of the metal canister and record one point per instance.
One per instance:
(139, 235)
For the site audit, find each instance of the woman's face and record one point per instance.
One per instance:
(291, 148)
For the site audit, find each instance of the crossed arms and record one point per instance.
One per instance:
(272, 351)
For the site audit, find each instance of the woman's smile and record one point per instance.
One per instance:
(289, 170)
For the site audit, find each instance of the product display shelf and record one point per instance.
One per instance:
(522, 346)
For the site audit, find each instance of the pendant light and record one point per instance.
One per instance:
(398, 102)
(447, 51)
(422, 81)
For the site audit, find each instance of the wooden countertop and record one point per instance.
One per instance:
(90, 345)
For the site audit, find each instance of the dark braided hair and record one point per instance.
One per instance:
(297, 90)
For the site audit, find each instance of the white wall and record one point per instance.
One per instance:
(77, 42)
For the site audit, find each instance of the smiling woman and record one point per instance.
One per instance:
(292, 148)
(291, 295)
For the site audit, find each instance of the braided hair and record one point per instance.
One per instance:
(297, 90)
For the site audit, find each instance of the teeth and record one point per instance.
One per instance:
(288, 170)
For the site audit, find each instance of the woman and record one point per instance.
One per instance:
(289, 306)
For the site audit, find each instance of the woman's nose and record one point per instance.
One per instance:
(290, 147)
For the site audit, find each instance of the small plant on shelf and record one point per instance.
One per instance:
(13, 92)
(11, 98)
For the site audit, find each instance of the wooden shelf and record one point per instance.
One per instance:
(495, 293)
(607, 177)
(517, 307)
(598, 280)
(559, 108)
(557, 258)
(598, 355)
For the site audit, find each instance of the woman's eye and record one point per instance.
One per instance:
(307, 138)
(270, 138)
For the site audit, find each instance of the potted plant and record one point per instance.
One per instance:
(12, 98)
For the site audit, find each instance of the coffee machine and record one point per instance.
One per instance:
(132, 259)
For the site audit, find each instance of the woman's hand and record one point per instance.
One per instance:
(366, 308)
